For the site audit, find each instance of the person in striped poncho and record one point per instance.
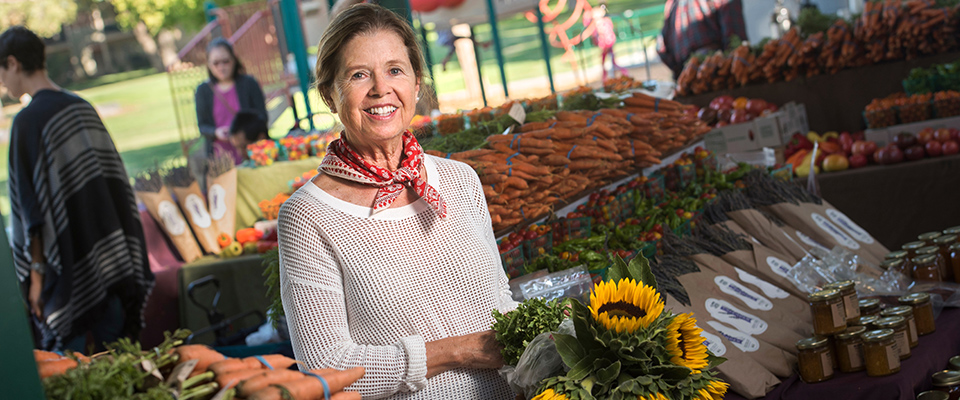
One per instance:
(76, 235)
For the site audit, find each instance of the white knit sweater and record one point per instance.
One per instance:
(370, 290)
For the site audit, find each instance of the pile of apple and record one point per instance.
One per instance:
(928, 142)
(726, 110)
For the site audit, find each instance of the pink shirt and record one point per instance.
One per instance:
(223, 112)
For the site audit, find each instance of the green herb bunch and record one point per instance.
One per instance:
(515, 329)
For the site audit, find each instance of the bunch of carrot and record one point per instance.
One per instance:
(262, 378)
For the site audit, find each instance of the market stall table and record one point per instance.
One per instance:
(914, 376)
(263, 183)
(895, 203)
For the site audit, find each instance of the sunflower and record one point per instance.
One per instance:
(625, 306)
(656, 396)
(549, 394)
(685, 344)
(718, 389)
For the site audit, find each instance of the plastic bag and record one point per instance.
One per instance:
(573, 283)
(539, 361)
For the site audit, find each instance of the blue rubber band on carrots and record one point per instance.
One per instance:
(326, 387)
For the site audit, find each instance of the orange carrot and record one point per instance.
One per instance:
(516, 182)
(232, 378)
(267, 393)
(256, 383)
(311, 388)
(50, 368)
(40, 355)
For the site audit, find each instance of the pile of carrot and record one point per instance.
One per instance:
(526, 174)
(886, 30)
(264, 378)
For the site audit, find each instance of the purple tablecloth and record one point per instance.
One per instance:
(914, 376)
(162, 312)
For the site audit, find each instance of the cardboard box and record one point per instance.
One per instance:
(769, 131)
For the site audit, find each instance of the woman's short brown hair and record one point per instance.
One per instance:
(358, 20)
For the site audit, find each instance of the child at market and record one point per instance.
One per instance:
(247, 128)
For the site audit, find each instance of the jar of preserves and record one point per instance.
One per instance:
(947, 382)
(880, 353)
(955, 363)
(955, 261)
(851, 303)
(907, 313)
(869, 307)
(896, 255)
(934, 251)
(955, 230)
(868, 321)
(944, 242)
(900, 334)
(815, 359)
(925, 268)
(848, 347)
(933, 395)
(922, 312)
(928, 237)
(900, 265)
(828, 314)
(911, 248)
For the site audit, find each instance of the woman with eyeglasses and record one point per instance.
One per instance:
(228, 90)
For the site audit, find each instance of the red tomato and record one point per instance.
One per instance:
(950, 147)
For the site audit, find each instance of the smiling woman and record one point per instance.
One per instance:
(388, 259)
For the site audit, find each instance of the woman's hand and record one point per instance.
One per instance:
(223, 133)
(476, 350)
(33, 296)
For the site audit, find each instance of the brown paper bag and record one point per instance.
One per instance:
(810, 219)
(195, 208)
(769, 234)
(165, 211)
(752, 365)
(734, 227)
(853, 230)
(783, 300)
(727, 301)
(222, 201)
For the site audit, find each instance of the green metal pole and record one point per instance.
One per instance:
(293, 31)
(401, 7)
(476, 54)
(497, 48)
(426, 50)
(18, 371)
(545, 45)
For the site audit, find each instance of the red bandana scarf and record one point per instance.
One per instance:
(343, 162)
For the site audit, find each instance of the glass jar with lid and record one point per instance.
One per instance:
(953, 231)
(955, 261)
(869, 307)
(948, 382)
(815, 359)
(896, 255)
(934, 251)
(955, 363)
(911, 248)
(922, 312)
(868, 320)
(848, 346)
(907, 313)
(851, 305)
(900, 265)
(928, 237)
(933, 395)
(943, 243)
(880, 354)
(899, 327)
(925, 268)
(828, 313)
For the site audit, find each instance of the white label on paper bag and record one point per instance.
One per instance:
(171, 219)
(767, 288)
(713, 343)
(198, 211)
(852, 228)
(217, 197)
(779, 266)
(745, 322)
(809, 241)
(742, 341)
(752, 299)
(835, 232)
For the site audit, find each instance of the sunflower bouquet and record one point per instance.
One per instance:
(626, 346)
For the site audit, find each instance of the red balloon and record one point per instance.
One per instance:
(424, 6)
(451, 3)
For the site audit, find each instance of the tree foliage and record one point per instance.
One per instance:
(164, 14)
(44, 17)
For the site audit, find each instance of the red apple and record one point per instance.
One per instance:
(951, 147)
(933, 148)
(738, 117)
(724, 114)
(890, 154)
(905, 140)
(858, 161)
(914, 153)
(864, 147)
(846, 142)
(955, 134)
(942, 135)
(756, 106)
(722, 102)
(924, 136)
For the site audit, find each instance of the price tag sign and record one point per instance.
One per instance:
(517, 113)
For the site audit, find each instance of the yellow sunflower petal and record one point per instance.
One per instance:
(685, 344)
(549, 394)
(625, 306)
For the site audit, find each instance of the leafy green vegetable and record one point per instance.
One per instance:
(515, 329)
(811, 21)
(271, 270)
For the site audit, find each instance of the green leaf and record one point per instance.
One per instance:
(639, 267)
(581, 369)
(618, 270)
(569, 348)
(608, 374)
(671, 372)
(714, 361)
